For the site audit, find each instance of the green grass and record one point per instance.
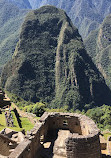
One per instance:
(38, 118)
(106, 135)
(26, 124)
(15, 119)
(2, 121)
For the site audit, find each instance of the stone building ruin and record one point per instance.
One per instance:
(60, 135)
(6, 146)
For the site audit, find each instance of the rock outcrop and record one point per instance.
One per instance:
(50, 63)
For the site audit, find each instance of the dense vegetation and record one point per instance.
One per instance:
(101, 115)
(85, 14)
(38, 108)
(37, 74)
(51, 65)
(11, 18)
(98, 45)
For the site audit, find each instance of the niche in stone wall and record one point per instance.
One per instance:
(76, 124)
(42, 139)
(65, 123)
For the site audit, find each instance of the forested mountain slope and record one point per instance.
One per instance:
(11, 18)
(86, 15)
(50, 64)
(98, 45)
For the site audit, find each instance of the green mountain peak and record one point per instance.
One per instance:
(50, 63)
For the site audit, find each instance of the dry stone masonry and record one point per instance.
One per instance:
(64, 135)
(6, 145)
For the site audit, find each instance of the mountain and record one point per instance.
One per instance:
(86, 15)
(50, 63)
(35, 3)
(22, 4)
(11, 18)
(98, 45)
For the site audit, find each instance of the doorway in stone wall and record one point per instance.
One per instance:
(54, 145)
(48, 144)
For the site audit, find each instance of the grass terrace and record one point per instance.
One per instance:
(26, 124)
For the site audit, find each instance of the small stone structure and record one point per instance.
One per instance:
(103, 142)
(13, 135)
(6, 145)
(79, 133)
(109, 145)
(3, 100)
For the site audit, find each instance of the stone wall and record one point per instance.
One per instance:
(83, 141)
(31, 146)
(5, 145)
(80, 147)
(109, 145)
(23, 150)
(65, 122)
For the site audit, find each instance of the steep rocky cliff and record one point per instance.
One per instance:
(98, 45)
(50, 63)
